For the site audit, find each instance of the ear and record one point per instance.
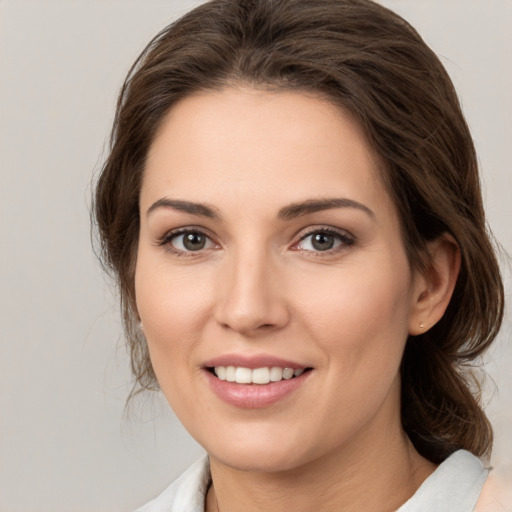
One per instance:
(433, 290)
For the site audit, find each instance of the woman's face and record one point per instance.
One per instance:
(267, 242)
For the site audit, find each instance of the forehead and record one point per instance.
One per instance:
(283, 145)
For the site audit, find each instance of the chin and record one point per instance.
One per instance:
(259, 452)
(260, 460)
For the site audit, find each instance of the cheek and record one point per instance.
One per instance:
(174, 306)
(171, 307)
(167, 296)
(361, 327)
(360, 316)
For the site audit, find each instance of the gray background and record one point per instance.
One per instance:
(65, 442)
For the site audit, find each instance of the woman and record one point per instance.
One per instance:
(291, 206)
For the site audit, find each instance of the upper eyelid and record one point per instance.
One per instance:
(303, 233)
(165, 242)
(346, 238)
(186, 229)
(297, 238)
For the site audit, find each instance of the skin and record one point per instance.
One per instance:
(259, 286)
(496, 494)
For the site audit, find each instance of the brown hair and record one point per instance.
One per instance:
(365, 58)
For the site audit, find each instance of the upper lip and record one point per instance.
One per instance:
(253, 361)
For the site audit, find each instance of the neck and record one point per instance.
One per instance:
(375, 477)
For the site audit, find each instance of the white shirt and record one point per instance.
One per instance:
(453, 487)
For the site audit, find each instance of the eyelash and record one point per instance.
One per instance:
(345, 240)
(166, 241)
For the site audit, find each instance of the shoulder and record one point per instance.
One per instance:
(454, 486)
(186, 493)
(496, 493)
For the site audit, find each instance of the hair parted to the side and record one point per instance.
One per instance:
(369, 61)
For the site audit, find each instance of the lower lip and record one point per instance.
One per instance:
(254, 396)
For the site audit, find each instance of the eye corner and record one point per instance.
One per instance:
(329, 241)
(189, 241)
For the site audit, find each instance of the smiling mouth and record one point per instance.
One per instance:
(261, 376)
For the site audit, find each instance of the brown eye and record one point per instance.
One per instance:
(194, 241)
(324, 240)
(190, 241)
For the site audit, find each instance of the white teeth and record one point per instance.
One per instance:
(276, 374)
(287, 373)
(261, 376)
(264, 375)
(230, 373)
(243, 375)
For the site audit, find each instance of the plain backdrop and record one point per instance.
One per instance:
(66, 444)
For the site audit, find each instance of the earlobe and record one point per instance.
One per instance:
(433, 289)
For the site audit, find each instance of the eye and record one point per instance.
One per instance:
(187, 241)
(323, 240)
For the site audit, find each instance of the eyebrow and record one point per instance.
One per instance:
(286, 213)
(315, 205)
(203, 210)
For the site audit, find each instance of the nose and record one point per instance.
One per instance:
(251, 295)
